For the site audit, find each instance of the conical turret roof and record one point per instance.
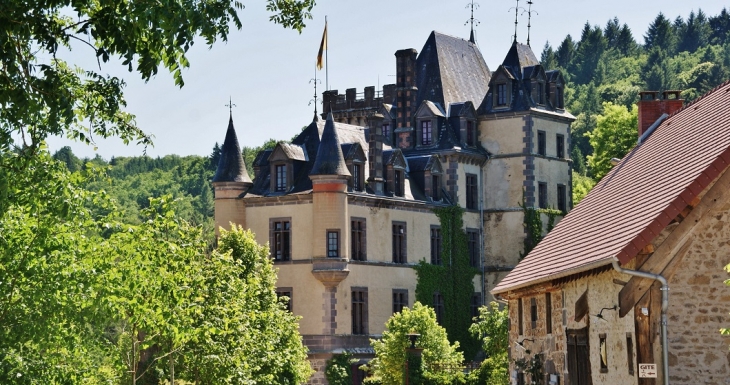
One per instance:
(231, 167)
(329, 160)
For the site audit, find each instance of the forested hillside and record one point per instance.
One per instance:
(608, 66)
(605, 69)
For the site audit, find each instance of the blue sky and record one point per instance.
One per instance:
(266, 69)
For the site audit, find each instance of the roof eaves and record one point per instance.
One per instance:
(499, 289)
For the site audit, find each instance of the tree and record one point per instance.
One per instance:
(588, 54)
(492, 328)
(720, 28)
(390, 351)
(625, 42)
(614, 136)
(695, 33)
(66, 155)
(547, 58)
(43, 95)
(582, 185)
(565, 52)
(655, 72)
(660, 34)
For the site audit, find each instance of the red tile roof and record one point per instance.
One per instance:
(638, 198)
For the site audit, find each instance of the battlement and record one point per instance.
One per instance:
(351, 100)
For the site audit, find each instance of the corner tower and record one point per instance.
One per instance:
(230, 183)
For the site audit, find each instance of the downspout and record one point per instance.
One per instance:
(665, 307)
(481, 229)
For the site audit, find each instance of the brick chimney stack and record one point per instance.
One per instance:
(406, 91)
(375, 153)
(652, 105)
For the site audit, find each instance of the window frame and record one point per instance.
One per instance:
(436, 245)
(562, 197)
(533, 313)
(426, 137)
(333, 243)
(501, 95)
(400, 300)
(398, 176)
(520, 315)
(400, 242)
(542, 197)
(281, 181)
(359, 310)
(278, 252)
(548, 313)
(357, 176)
(560, 146)
(386, 131)
(541, 143)
(472, 191)
(470, 137)
(438, 307)
(435, 187)
(358, 239)
(472, 236)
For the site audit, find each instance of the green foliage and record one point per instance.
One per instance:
(339, 369)
(453, 280)
(532, 221)
(390, 351)
(615, 135)
(492, 328)
(533, 367)
(582, 185)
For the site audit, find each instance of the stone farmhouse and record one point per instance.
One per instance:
(346, 207)
(630, 284)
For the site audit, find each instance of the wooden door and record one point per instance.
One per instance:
(579, 362)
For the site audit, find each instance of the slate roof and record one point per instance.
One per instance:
(636, 200)
(450, 70)
(231, 167)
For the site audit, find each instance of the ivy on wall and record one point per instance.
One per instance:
(532, 221)
(453, 279)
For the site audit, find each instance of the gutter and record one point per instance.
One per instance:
(665, 307)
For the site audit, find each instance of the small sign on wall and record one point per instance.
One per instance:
(647, 370)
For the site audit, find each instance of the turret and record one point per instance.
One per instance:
(231, 182)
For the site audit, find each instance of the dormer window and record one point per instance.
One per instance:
(398, 183)
(540, 93)
(386, 132)
(357, 177)
(435, 187)
(281, 182)
(470, 133)
(501, 94)
(559, 97)
(426, 133)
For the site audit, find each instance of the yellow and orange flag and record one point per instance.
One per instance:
(322, 48)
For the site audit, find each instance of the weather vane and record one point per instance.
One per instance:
(529, 18)
(517, 9)
(472, 20)
(230, 106)
(315, 81)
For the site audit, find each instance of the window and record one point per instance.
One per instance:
(435, 245)
(548, 313)
(476, 303)
(386, 131)
(399, 242)
(547, 92)
(541, 143)
(398, 183)
(533, 313)
(473, 247)
(435, 187)
(502, 94)
(438, 307)
(358, 238)
(521, 328)
(630, 352)
(400, 300)
(357, 177)
(284, 296)
(561, 198)
(359, 310)
(540, 93)
(426, 136)
(542, 195)
(471, 192)
(333, 243)
(469, 133)
(280, 239)
(603, 352)
(559, 97)
(559, 146)
(281, 177)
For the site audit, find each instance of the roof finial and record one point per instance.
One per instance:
(516, 8)
(315, 80)
(472, 20)
(529, 18)
(230, 106)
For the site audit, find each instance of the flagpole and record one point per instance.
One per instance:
(326, 66)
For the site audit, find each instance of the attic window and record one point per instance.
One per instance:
(426, 133)
(398, 183)
(357, 178)
(501, 94)
(386, 132)
(559, 97)
(281, 184)
(435, 187)
(540, 93)
(469, 133)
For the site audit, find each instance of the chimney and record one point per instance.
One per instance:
(653, 105)
(406, 91)
(375, 153)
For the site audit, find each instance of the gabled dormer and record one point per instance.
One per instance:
(429, 117)
(501, 87)
(434, 179)
(555, 89)
(283, 160)
(388, 112)
(468, 131)
(536, 81)
(356, 162)
(396, 167)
